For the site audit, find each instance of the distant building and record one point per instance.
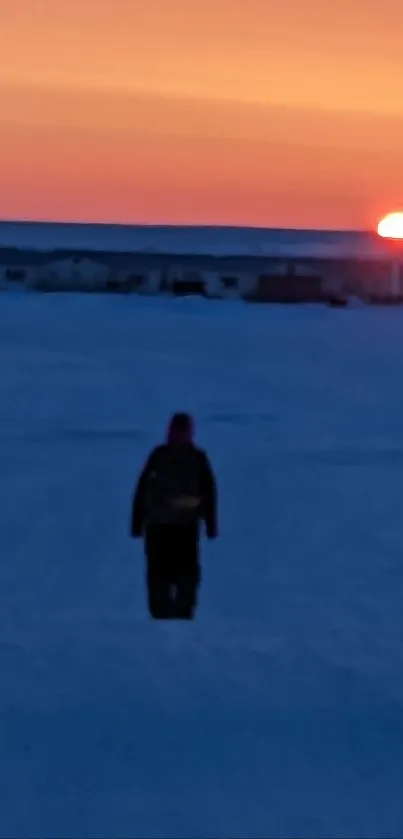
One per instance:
(282, 266)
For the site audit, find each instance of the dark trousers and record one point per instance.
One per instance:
(173, 571)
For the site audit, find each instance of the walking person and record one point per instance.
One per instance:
(175, 493)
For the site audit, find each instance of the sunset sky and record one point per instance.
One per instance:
(254, 112)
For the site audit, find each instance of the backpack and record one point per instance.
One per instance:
(173, 490)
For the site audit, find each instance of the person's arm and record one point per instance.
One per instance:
(138, 500)
(209, 498)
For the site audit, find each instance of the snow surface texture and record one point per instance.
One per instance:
(279, 711)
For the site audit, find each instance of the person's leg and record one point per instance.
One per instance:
(188, 576)
(159, 587)
(187, 588)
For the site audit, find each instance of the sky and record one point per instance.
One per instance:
(249, 112)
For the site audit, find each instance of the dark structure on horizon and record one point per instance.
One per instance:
(255, 265)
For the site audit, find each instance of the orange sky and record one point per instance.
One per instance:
(256, 112)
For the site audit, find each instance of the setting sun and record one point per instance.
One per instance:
(391, 227)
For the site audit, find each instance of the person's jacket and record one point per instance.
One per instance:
(173, 460)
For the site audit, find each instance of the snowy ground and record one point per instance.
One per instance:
(279, 712)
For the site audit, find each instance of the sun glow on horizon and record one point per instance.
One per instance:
(391, 226)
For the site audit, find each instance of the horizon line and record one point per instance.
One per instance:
(190, 226)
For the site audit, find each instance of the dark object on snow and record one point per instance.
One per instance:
(175, 492)
(336, 301)
(173, 570)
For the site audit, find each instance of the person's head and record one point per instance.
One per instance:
(180, 429)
